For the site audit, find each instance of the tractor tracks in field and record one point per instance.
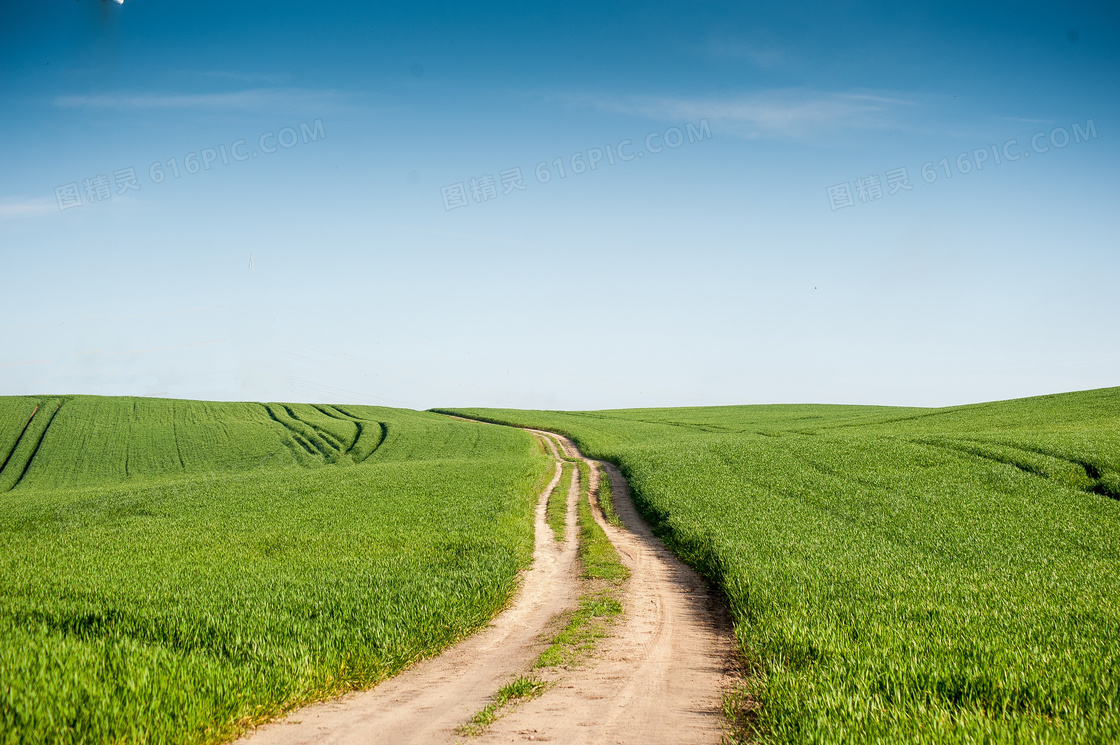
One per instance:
(1034, 461)
(307, 439)
(659, 676)
(19, 459)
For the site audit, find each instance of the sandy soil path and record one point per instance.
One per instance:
(658, 678)
(428, 701)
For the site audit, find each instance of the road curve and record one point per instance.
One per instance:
(425, 703)
(661, 675)
(658, 678)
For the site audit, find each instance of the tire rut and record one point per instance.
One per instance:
(20, 458)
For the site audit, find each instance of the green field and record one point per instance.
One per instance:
(171, 571)
(896, 575)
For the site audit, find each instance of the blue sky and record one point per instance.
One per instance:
(765, 260)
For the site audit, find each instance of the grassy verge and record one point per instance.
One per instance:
(606, 499)
(598, 605)
(557, 509)
(598, 555)
(524, 688)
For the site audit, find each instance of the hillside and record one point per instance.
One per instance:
(177, 570)
(898, 574)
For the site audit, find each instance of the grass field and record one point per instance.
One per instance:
(171, 571)
(896, 575)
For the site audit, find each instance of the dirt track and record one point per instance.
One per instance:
(658, 678)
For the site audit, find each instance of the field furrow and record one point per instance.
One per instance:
(303, 435)
(1078, 474)
(19, 434)
(353, 432)
(371, 434)
(28, 444)
(38, 444)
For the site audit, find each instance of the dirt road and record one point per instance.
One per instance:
(658, 678)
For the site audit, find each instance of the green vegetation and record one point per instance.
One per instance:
(606, 499)
(556, 511)
(173, 571)
(896, 575)
(521, 689)
(597, 554)
(581, 630)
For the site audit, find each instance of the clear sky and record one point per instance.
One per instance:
(892, 203)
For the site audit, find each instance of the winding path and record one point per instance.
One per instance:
(658, 678)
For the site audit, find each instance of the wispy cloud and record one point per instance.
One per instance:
(245, 99)
(785, 113)
(18, 208)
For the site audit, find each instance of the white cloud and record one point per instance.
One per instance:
(792, 113)
(18, 208)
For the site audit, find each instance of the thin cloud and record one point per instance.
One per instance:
(245, 99)
(16, 209)
(788, 113)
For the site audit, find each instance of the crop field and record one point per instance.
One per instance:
(895, 575)
(173, 571)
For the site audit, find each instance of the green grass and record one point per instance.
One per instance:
(606, 499)
(896, 575)
(172, 571)
(523, 688)
(581, 631)
(597, 554)
(557, 508)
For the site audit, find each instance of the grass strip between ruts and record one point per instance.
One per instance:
(599, 606)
